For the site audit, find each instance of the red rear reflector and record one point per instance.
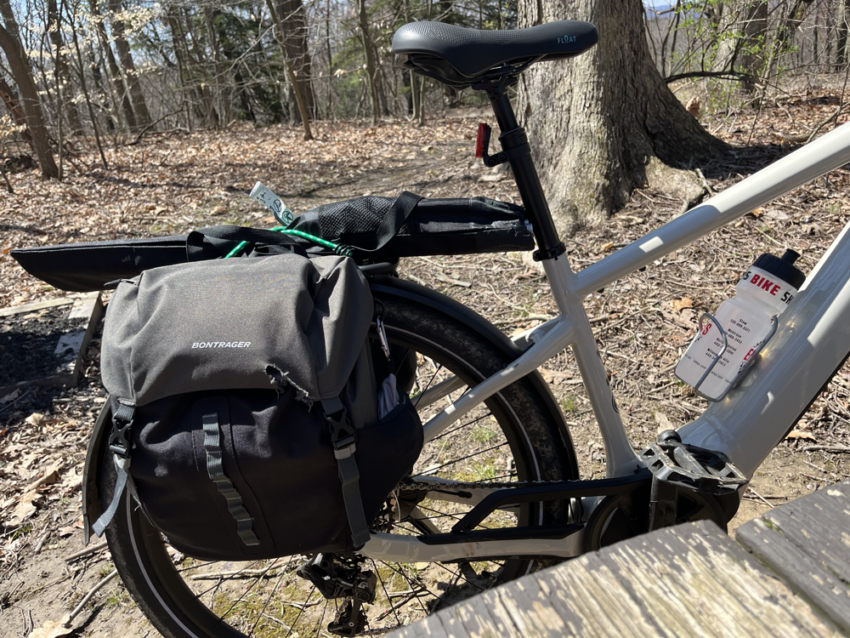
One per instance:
(479, 144)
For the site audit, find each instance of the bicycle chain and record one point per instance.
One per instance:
(416, 487)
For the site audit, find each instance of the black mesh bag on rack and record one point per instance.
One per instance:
(409, 226)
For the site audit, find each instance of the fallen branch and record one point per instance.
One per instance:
(85, 552)
(827, 448)
(88, 597)
(153, 124)
(243, 573)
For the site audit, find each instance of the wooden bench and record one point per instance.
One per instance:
(788, 575)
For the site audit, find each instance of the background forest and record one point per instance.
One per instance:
(154, 118)
(78, 74)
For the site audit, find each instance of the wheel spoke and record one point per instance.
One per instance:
(491, 444)
(469, 456)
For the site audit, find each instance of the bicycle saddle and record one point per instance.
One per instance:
(461, 57)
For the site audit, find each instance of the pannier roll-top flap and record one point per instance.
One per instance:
(283, 321)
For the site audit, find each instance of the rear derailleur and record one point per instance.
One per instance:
(340, 576)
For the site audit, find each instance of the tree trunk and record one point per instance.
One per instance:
(605, 122)
(842, 27)
(7, 94)
(290, 72)
(222, 87)
(22, 74)
(54, 30)
(371, 67)
(294, 23)
(753, 41)
(121, 94)
(143, 118)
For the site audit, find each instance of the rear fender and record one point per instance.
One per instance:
(91, 497)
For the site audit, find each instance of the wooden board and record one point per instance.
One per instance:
(690, 580)
(87, 307)
(807, 543)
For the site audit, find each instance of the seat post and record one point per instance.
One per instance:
(515, 144)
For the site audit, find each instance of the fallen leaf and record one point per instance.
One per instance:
(797, 434)
(35, 418)
(607, 246)
(663, 422)
(48, 477)
(25, 508)
(756, 212)
(681, 304)
(52, 629)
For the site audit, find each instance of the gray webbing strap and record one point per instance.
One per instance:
(342, 437)
(212, 444)
(120, 483)
(349, 476)
(119, 444)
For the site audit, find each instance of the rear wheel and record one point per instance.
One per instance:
(513, 437)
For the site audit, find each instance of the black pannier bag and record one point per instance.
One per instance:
(379, 228)
(245, 406)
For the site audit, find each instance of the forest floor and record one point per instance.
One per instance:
(173, 181)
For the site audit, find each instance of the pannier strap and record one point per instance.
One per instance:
(212, 444)
(394, 220)
(343, 440)
(120, 443)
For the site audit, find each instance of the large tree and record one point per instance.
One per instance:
(10, 43)
(605, 122)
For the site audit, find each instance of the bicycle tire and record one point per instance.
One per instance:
(538, 447)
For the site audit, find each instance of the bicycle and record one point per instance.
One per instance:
(526, 505)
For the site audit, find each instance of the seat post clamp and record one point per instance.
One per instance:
(552, 253)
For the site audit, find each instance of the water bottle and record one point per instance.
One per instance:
(762, 293)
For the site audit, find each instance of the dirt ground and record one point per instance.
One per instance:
(175, 181)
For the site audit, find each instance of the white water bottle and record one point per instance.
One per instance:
(763, 292)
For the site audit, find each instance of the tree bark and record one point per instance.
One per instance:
(290, 72)
(371, 67)
(222, 87)
(754, 43)
(294, 23)
(22, 74)
(63, 74)
(10, 99)
(842, 20)
(119, 31)
(120, 91)
(605, 122)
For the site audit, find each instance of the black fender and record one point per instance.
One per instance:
(389, 286)
(382, 286)
(91, 496)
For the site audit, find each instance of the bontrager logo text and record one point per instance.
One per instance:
(222, 344)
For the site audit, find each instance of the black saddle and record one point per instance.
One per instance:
(461, 57)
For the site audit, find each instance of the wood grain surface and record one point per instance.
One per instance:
(690, 580)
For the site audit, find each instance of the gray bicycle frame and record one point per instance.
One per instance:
(810, 343)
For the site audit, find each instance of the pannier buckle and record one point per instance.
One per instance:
(119, 438)
(342, 432)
